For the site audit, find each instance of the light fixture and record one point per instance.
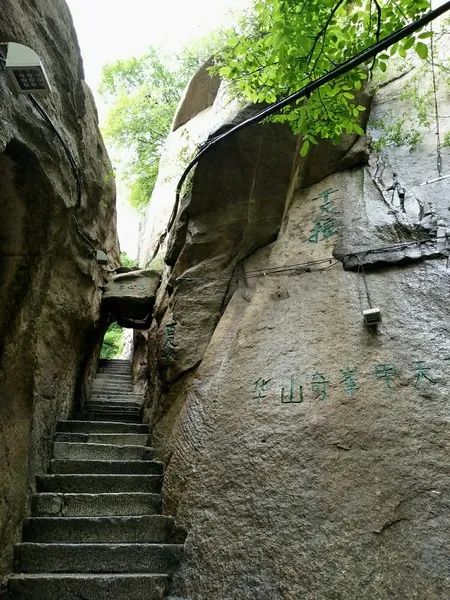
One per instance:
(26, 70)
(372, 316)
(101, 257)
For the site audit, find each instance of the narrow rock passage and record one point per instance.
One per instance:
(96, 531)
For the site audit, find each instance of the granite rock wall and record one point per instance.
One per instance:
(306, 454)
(50, 284)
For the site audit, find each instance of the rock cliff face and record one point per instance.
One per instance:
(305, 453)
(50, 283)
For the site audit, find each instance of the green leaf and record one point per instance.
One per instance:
(409, 43)
(422, 50)
(305, 148)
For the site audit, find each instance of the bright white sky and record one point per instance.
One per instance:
(112, 29)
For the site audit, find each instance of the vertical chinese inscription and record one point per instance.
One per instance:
(325, 223)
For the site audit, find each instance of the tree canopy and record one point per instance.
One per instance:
(143, 94)
(282, 45)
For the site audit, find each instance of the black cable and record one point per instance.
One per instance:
(43, 113)
(306, 91)
(309, 266)
(66, 148)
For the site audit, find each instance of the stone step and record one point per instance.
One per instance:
(76, 450)
(97, 558)
(116, 401)
(112, 382)
(114, 373)
(114, 361)
(156, 529)
(113, 410)
(112, 414)
(115, 391)
(65, 466)
(101, 416)
(113, 377)
(85, 505)
(114, 404)
(70, 586)
(118, 395)
(115, 369)
(116, 439)
(105, 426)
(98, 484)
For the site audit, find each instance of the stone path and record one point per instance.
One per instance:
(96, 531)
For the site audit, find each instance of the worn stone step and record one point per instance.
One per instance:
(64, 466)
(112, 389)
(116, 400)
(113, 380)
(157, 529)
(117, 395)
(114, 361)
(99, 413)
(113, 376)
(112, 386)
(76, 450)
(113, 410)
(97, 558)
(101, 416)
(124, 396)
(116, 439)
(114, 369)
(105, 426)
(114, 373)
(115, 364)
(97, 484)
(86, 586)
(84, 505)
(113, 404)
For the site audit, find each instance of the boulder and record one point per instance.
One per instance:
(129, 297)
(305, 452)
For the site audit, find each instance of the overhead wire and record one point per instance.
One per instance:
(320, 264)
(436, 107)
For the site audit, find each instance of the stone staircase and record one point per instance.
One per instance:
(96, 531)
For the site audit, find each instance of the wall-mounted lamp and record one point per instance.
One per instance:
(101, 257)
(26, 70)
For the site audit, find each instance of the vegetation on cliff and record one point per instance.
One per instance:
(282, 45)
